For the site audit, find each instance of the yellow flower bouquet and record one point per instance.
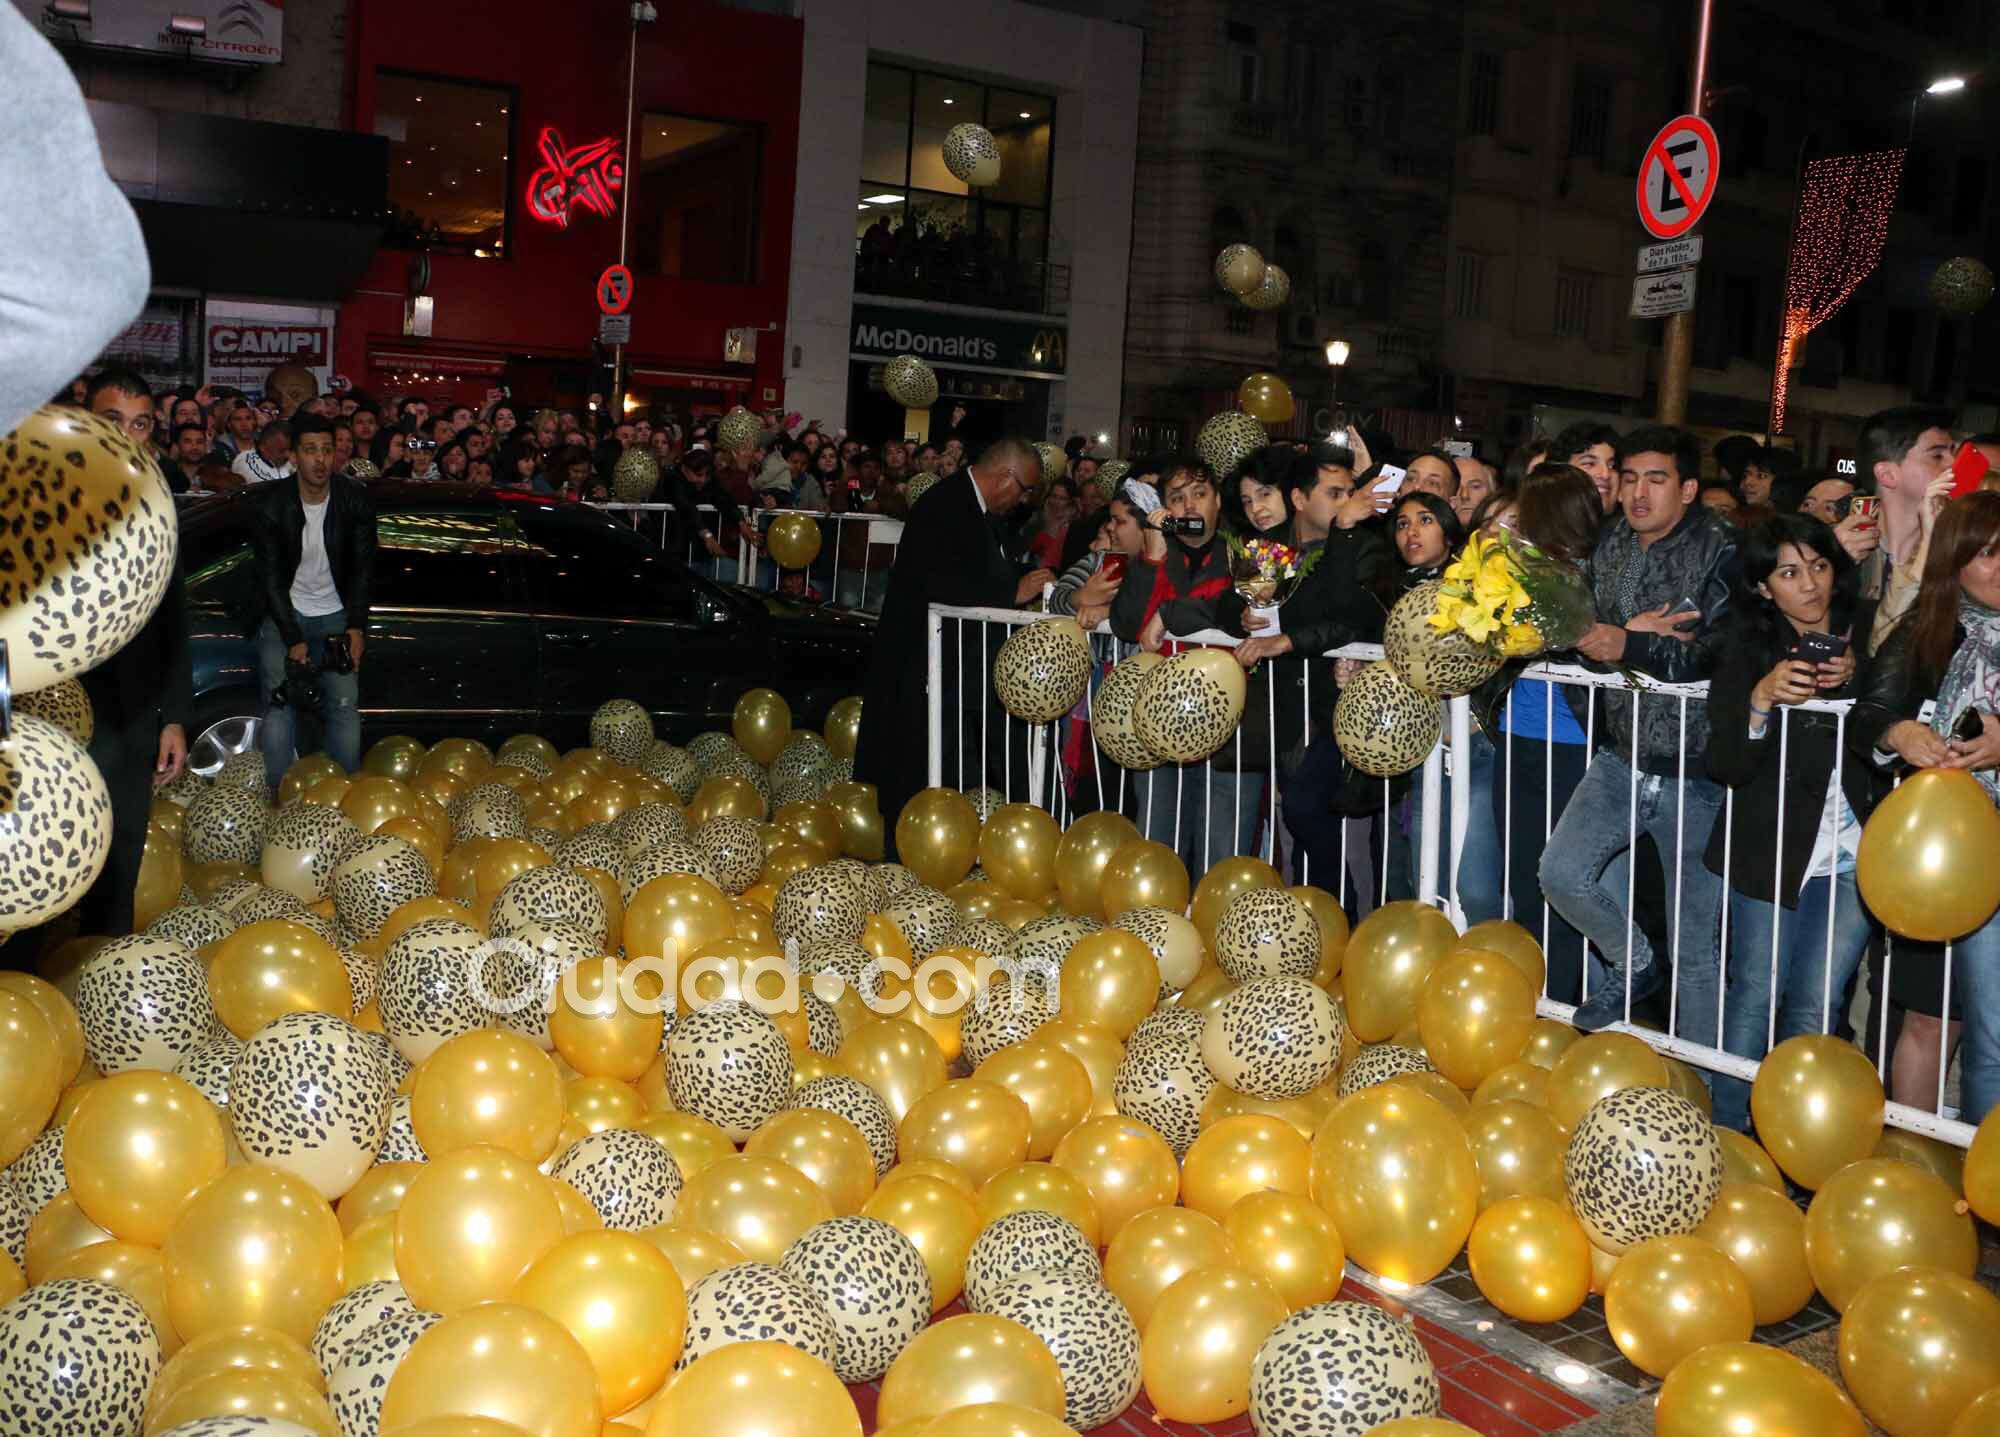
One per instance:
(1511, 598)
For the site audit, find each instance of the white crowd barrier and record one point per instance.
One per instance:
(850, 570)
(1437, 814)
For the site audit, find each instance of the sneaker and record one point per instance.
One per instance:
(1607, 1005)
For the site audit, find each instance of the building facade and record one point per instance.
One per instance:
(1014, 292)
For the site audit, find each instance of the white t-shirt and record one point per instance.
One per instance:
(313, 592)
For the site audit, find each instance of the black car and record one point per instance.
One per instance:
(497, 612)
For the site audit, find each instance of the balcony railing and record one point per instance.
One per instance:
(942, 274)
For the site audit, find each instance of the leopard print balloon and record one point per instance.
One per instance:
(622, 729)
(524, 967)
(910, 382)
(488, 810)
(1087, 1330)
(1239, 269)
(1028, 1240)
(55, 822)
(382, 874)
(87, 541)
(64, 704)
(872, 1284)
(303, 844)
(730, 1064)
(143, 1002)
(550, 894)
(1273, 1038)
(1189, 706)
(76, 1356)
(1378, 1063)
(430, 979)
(972, 155)
(629, 1179)
(926, 918)
(732, 850)
(1112, 719)
(674, 856)
(1267, 933)
(195, 924)
(357, 1383)
(1164, 1083)
(1642, 1163)
(1437, 664)
(861, 1105)
(738, 430)
(1340, 1369)
(209, 1065)
(1042, 670)
(1383, 726)
(675, 767)
(40, 1176)
(225, 825)
(646, 824)
(1271, 291)
(307, 1096)
(245, 771)
(815, 906)
(1226, 440)
(352, 1314)
(635, 476)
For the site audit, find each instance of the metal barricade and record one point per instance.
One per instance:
(735, 565)
(851, 569)
(1476, 792)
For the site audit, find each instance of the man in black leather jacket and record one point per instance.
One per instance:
(312, 540)
(1660, 578)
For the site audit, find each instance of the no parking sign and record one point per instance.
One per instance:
(1677, 176)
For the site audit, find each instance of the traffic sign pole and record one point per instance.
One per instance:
(1677, 346)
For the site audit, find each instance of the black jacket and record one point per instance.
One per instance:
(1340, 603)
(1893, 688)
(1749, 766)
(277, 530)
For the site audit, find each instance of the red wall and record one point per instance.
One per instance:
(568, 63)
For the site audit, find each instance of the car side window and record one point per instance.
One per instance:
(445, 559)
(578, 563)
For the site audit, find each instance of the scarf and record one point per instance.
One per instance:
(1972, 679)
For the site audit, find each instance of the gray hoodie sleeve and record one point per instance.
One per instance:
(73, 268)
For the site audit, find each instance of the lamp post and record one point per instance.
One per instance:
(1337, 351)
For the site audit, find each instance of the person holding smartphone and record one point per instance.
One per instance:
(1087, 587)
(1797, 925)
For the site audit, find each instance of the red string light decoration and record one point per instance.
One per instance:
(1837, 237)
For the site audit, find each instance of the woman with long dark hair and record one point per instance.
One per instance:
(1797, 926)
(1930, 700)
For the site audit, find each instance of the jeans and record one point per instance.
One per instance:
(1532, 783)
(1975, 974)
(1214, 821)
(1811, 980)
(339, 718)
(1479, 892)
(1584, 883)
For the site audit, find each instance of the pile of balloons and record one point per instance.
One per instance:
(390, 1122)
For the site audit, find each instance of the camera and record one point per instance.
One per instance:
(1187, 525)
(414, 444)
(300, 689)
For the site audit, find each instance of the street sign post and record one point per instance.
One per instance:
(1677, 176)
(614, 329)
(1670, 254)
(1655, 296)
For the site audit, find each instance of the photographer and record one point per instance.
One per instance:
(313, 544)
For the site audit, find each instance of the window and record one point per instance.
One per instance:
(1590, 116)
(694, 202)
(1302, 97)
(1244, 72)
(1482, 101)
(1576, 304)
(579, 564)
(1471, 286)
(451, 161)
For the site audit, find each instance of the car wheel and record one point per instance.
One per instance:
(222, 740)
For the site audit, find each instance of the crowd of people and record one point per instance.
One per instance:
(1631, 834)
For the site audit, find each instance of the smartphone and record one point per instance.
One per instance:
(1968, 467)
(1113, 566)
(1866, 505)
(1819, 648)
(1971, 724)
(1391, 480)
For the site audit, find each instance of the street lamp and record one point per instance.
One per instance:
(1943, 85)
(1949, 85)
(1337, 351)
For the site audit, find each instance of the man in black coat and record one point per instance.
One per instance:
(312, 541)
(950, 554)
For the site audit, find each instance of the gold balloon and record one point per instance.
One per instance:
(693, 1142)
(1941, 1160)
(1083, 853)
(206, 879)
(1110, 979)
(1922, 865)
(1142, 874)
(1205, 1330)
(622, 1299)
(244, 1392)
(1743, 1161)
(1159, 1247)
(596, 1026)
(420, 836)
(726, 795)
(315, 768)
(1877, 1215)
(1042, 1187)
(255, 1247)
(371, 802)
(1595, 1067)
(1127, 1166)
(1266, 398)
(1549, 1041)
(1242, 1155)
(816, 823)
(1304, 1113)
(136, 1271)
(1422, 1427)
(162, 870)
(940, 1220)
(59, 1013)
(502, 861)
(937, 836)
(57, 1231)
(756, 1389)
(1917, 1346)
(1764, 1234)
(987, 1419)
(498, 1360)
(762, 722)
(1519, 1151)
(1818, 1106)
(1531, 1259)
(760, 1204)
(1685, 1081)
(793, 540)
(1513, 1083)
(976, 1126)
(843, 726)
(397, 757)
(265, 970)
(967, 1360)
(1671, 1296)
(138, 1146)
(1474, 1014)
(1098, 1051)
(1333, 930)
(1389, 958)
(899, 1060)
(470, 1225)
(1745, 1387)
(827, 1148)
(1290, 1242)
(1395, 1170)
(577, 1213)
(1981, 1181)
(261, 1350)
(694, 1253)
(595, 1104)
(1017, 848)
(1220, 886)
(675, 916)
(1054, 1084)
(488, 1087)
(1512, 942)
(377, 1193)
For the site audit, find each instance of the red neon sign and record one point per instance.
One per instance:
(587, 175)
